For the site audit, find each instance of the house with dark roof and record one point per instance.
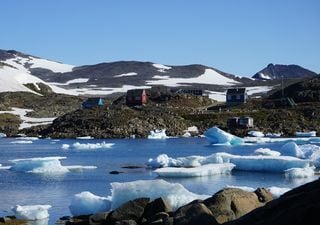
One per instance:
(136, 97)
(91, 103)
(236, 96)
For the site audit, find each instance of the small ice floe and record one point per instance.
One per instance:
(28, 138)
(200, 171)
(273, 135)
(218, 136)
(300, 172)
(21, 142)
(83, 146)
(186, 135)
(306, 134)
(174, 193)
(292, 149)
(158, 134)
(2, 135)
(44, 165)
(86, 203)
(254, 133)
(191, 131)
(266, 152)
(245, 188)
(85, 138)
(277, 191)
(31, 212)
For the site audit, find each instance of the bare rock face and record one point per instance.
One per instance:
(299, 206)
(131, 210)
(232, 203)
(194, 213)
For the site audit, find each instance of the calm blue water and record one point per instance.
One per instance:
(28, 189)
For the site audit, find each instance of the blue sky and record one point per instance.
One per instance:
(235, 36)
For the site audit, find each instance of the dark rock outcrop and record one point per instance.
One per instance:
(132, 210)
(193, 214)
(299, 206)
(232, 203)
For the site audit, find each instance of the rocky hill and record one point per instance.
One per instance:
(304, 91)
(276, 71)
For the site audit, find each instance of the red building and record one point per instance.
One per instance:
(136, 97)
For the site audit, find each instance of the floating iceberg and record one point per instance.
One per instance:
(86, 203)
(31, 212)
(218, 136)
(2, 135)
(28, 138)
(175, 194)
(292, 149)
(46, 165)
(77, 145)
(311, 152)
(158, 134)
(254, 133)
(266, 152)
(267, 163)
(306, 134)
(300, 172)
(248, 163)
(200, 171)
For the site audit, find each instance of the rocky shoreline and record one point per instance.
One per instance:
(230, 206)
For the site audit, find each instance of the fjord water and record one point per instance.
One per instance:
(58, 190)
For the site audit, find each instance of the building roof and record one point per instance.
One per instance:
(236, 90)
(135, 92)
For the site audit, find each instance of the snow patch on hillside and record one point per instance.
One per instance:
(210, 76)
(28, 122)
(161, 68)
(24, 63)
(126, 74)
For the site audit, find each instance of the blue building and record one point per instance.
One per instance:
(92, 103)
(236, 96)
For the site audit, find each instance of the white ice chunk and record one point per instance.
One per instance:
(218, 136)
(31, 212)
(200, 171)
(245, 188)
(277, 191)
(292, 149)
(21, 142)
(311, 152)
(162, 160)
(266, 152)
(86, 203)
(300, 172)
(85, 138)
(306, 134)
(65, 146)
(254, 133)
(175, 194)
(101, 145)
(158, 134)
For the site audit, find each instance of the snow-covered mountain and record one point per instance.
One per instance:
(18, 69)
